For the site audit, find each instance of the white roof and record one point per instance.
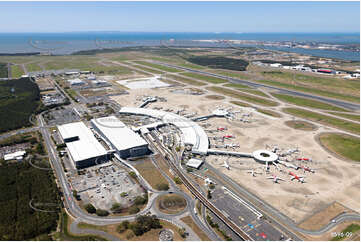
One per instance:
(147, 82)
(117, 133)
(192, 133)
(14, 155)
(87, 146)
(75, 81)
(195, 163)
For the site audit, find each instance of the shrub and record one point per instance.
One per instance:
(177, 180)
(102, 213)
(162, 186)
(134, 210)
(90, 208)
(116, 208)
(140, 200)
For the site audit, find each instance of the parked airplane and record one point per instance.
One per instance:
(304, 159)
(305, 168)
(275, 178)
(221, 128)
(287, 164)
(298, 178)
(228, 136)
(225, 164)
(253, 172)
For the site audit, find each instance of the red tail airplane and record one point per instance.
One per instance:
(305, 168)
(298, 178)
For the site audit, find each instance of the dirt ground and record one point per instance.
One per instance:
(334, 179)
(323, 217)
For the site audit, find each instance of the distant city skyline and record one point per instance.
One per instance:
(225, 17)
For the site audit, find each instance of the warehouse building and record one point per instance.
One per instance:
(122, 139)
(83, 148)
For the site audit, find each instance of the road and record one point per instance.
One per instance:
(348, 105)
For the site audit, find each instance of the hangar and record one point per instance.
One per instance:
(122, 139)
(83, 147)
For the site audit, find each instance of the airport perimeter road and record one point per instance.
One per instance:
(348, 105)
(19, 131)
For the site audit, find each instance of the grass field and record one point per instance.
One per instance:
(301, 125)
(150, 173)
(242, 104)
(189, 221)
(171, 203)
(242, 96)
(324, 119)
(186, 80)
(210, 79)
(269, 112)
(16, 71)
(128, 235)
(236, 85)
(3, 70)
(312, 91)
(65, 234)
(352, 228)
(148, 69)
(355, 117)
(343, 145)
(305, 102)
(32, 67)
(160, 67)
(316, 81)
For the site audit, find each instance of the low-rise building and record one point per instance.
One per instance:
(122, 139)
(84, 149)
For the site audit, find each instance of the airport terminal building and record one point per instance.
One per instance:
(83, 148)
(122, 139)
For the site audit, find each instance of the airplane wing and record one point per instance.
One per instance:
(281, 179)
(270, 177)
(292, 178)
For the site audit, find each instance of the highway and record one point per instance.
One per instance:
(344, 104)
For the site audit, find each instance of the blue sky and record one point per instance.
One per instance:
(180, 16)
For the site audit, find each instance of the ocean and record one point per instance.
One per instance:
(67, 43)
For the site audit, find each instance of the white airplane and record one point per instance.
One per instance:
(253, 172)
(289, 165)
(275, 178)
(225, 164)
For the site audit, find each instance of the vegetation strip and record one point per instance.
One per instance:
(343, 145)
(186, 80)
(324, 119)
(305, 102)
(160, 67)
(355, 117)
(210, 79)
(242, 96)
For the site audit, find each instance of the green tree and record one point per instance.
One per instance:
(102, 213)
(134, 210)
(90, 208)
(116, 208)
(162, 186)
